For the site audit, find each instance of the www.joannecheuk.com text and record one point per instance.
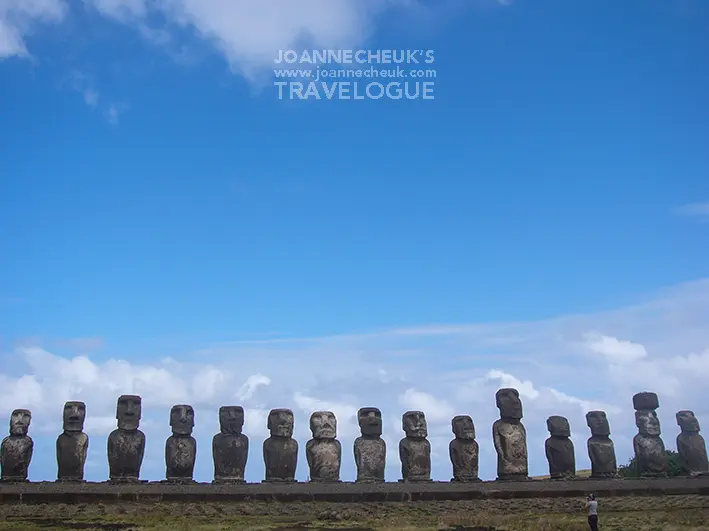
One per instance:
(352, 90)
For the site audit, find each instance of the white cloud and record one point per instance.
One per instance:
(699, 211)
(18, 18)
(114, 112)
(661, 344)
(614, 349)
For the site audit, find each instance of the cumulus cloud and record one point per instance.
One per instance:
(615, 350)
(660, 344)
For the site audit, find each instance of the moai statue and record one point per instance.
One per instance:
(180, 447)
(414, 449)
(464, 450)
(230, 447)
(280, 450)
(72, 444)
(510, 437)
(649, 449)
(601, 450)
(126, 445)
(370, 450)
(690, 445)
(324, 451)
(16, 450)
(560, 449)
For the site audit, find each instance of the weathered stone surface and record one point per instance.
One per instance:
(646, 400)
(230, 447)
(414, 449)
(370, 449)
(648, 445)
(691, 447)
(180, 447)
(464, 450)
(280, 450)
(16, 449)
(601, 450)
(510, 437)
(324, 451)
(560, 449)
(72, 444)
(126, 445)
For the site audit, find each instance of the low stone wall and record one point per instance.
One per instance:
(50, 492)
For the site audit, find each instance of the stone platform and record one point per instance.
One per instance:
(83, 493)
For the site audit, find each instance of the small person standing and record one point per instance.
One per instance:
(592, 507)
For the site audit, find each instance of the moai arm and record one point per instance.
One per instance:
(86, 450)
(499, 447)
(453, 453)
(308, 453)
(141, 452)
(404, 457)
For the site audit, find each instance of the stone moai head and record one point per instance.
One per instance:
(558, 426)
(598, 422)
(463, 427)
(128, 412)
(231, 419)
(414, 424)
(323, 424)
(687, 421)
(647, 422)
(20, 422)
(370, 421)
(645, 401)
(182, 419)
(280, 422)
(508, 403)
(74, 416)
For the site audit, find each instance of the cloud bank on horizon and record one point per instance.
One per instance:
(561, 366)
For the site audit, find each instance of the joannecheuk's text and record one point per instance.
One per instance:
(352, 90)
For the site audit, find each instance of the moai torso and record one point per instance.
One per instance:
(648, 445)
(126, 445)
(324, 451)
(510, 437)
(464, 450)
(180, 447)
(560, 449)
(16, 449)
(72, 444)
(280, 450)
(370, 449)
(230, 447)
(601, 450)
(414, 449)
(691, 447)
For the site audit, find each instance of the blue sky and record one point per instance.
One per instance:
(169, 227)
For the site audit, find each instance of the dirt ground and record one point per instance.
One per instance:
(668, 513)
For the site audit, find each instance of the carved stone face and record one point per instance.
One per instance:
(182, 419)
(414, 424)
(280, 422)
(231, 419)
(323, 424)
(463, 427)
(509, 404)
(20, 422)
(598, 422)
(558, 426)
(647, 422)
(370, 421)
(74, 416)
(687, 421)
(128, 412)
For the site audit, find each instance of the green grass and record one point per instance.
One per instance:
(670, 513)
